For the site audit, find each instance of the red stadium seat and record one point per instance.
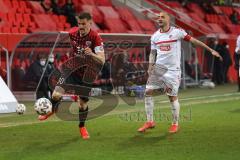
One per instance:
(88, 2)
(196, 9)
(115, 25)
(62, 19)
(4, 7)
(43, 22)
(108, 12)
(217, 10)
(103, 2)
(23, 30)
(234, 29)
(226, 10)
(36, 7)
(134, 26)
(14, 30)
(216, 28)
(125, 14)
(6, 30)
(147, 26)
(195, 17)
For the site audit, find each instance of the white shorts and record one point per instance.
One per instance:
(169, 82)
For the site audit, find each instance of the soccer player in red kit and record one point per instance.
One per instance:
(84, 41)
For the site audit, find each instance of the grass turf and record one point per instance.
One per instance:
(209, 130)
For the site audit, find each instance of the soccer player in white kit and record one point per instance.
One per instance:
(164, 68)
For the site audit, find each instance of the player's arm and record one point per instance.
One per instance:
(99, 54)
(152, 59)
(199, 43)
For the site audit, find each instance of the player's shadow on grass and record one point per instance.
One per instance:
(235, 110)
(36, 148)
(143, 139)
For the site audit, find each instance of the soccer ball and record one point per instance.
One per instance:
(208, 84)
(43, 106)
(21, 108)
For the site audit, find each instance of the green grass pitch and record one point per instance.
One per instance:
(210, 129)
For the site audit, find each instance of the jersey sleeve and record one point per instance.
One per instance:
(153, 45)
(238, 44)
(182, 34)
(98, 44)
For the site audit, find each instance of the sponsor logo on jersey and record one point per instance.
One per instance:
(165, 48)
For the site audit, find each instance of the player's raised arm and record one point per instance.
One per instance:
(199, 43)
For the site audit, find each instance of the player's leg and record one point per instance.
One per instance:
(55, 100)
(175, 106)
(149, 105)
(83, 113)
(172, 82)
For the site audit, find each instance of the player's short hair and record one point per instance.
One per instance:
(85, 15)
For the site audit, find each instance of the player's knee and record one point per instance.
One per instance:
(57, 93)
(173, 98)
(82, 104)
(148, 92)
(56, 96)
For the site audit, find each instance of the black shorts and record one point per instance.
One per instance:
(76, 80)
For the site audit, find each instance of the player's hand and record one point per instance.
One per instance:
(215, 53)
(88, 51)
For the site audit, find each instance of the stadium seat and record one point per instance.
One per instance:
(195, 17)
(134, 26)
(109, 12)
(193, 7)
(36, 7)
(6, 30)
(226, 10)
(88, 2)
(147, 26)
(234, 29)
(4, 7)
(103, 2)
(14, 30)
(42, 21)
(115, 25)
(124, 13)
(23, 30)
(216, 28)
(62, 19)
(217, 10)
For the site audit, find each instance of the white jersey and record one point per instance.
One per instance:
(238, 44)
(168, 46)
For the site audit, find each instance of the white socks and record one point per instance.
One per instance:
(149, 104)
(175, 111)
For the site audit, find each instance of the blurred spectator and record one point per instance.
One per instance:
(35, 72)
(218, 65)
(53, 7)
(236, 60)
(69, 11)
(209, 57)
(227, 61)
(234, 18)
(207, 7)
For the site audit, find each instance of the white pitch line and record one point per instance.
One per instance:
(203, 97)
